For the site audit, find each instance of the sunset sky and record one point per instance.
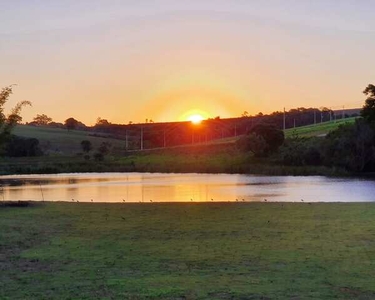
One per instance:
(132, 60)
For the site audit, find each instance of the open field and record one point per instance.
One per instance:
(61, 141)
(319, 129)
(187, 251)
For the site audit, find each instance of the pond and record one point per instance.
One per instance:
(156, 187)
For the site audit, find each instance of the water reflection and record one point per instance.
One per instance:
(145, 187)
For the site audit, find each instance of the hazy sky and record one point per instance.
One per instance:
(132, 60)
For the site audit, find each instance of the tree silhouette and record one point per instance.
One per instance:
(368, 110)
(42, 119)
(7, 123)
(71, 123)
(100, 121)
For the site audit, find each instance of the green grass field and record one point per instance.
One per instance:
(187, 251)
(61, 141)
(319, 129)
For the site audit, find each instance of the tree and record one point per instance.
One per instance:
(245, 114)
(351, 146)
(42, 119)
(368, 110)
(101, 122)
(7, 123)
(71, 123)
(253, 143)
(86, 146)
(273, 136)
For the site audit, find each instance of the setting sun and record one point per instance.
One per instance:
(195, 116)
(195, 119)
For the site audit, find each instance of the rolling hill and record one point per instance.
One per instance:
(61, 141)
(64, 142)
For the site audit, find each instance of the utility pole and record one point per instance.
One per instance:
(294, 123)
(126, 140)
(314, 116)
(141, 138)
(165, 141)
(284, 119)
(343, 112)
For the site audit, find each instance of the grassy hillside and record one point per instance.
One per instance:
(187, 251)
(56, 140)
(320, 129)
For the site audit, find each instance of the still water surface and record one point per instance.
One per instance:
(146, 187)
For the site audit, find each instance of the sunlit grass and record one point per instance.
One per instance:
(319, 129)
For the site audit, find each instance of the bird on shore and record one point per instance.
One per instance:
(123, 200)
(301, 200)
(92, 200)
(237, 200)
(243, 200)
(151, 201)
(212, 199)
(265, 200)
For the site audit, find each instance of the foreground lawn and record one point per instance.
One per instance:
(187, 251)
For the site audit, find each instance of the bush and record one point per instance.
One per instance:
(104, 148)
(301, 152)
(18, 147)
(253, 143)
(98, 156)
(273, 136)
(351, 146)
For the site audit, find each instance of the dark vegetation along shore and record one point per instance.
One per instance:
(187, 251)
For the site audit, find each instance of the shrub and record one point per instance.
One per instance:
(273, 136)
(18, 146)
(98, 156)
(253, 143)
